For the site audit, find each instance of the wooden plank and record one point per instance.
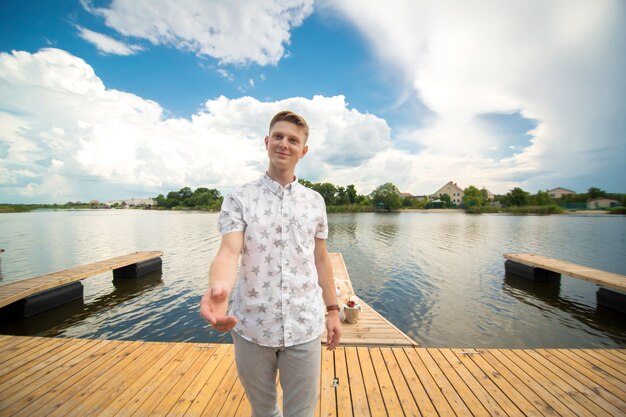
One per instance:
(72, 398)
(32, 368)
(233, 401)
(198, 386)
(574, 391)
(206, 396)
(221, 395)
(606, 365)
(327, 406)
(592, 382)
(543, 387)
(519, 381)
(200, 357)
(479, 375)
(36, 402)
(105, 378)
(15, 291)
(360, 406)
(38, 384)
(615, 360)
(429, 384)
(397, 379)
(506, 386)
(129, 388)
(451, 395)
(468, 397)
(344, 400)
(392, 403)
(372, 389)
(597, 276)
(29, 353)
(465, 383)
(598, 374)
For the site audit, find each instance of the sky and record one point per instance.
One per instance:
(109, 100)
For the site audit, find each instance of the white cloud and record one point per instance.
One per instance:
(106, 44)
(560, 63)
(237, 31)
(68, 137)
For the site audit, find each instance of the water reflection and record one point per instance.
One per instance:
(438, 277)
(546, 297)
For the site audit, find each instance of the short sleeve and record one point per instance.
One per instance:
(231, 216)
(321, 231)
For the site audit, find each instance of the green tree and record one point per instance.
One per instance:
(473, 197)
(387, 195)
(517, 197)
(173, 199)
(542, 198)
(161, 201)
(341, 197)
(485, 195)
(445, 198)
(327, 190)
(352, 195)
(595, 192)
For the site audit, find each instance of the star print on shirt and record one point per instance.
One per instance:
(272, 305)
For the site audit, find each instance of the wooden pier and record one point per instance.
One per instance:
(378, 371)
(74, 377)
(371, 329)
(597, 276)
(15, 291)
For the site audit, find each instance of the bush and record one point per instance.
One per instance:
(356, 208)
(618, 210)
(482, 209)
(551, 209)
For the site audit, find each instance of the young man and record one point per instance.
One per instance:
(279, 228)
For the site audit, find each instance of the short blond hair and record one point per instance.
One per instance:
(291, 117)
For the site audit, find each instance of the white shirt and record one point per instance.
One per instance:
(277, 300)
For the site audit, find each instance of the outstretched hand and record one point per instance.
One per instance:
(213, 308)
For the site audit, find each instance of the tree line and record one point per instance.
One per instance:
(388, 197)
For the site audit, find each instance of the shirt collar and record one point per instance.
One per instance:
(276, 188)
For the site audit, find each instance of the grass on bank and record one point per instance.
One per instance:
(551, 209)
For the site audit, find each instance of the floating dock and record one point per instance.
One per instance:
(597, 276)
(42, 288)
(537, 268)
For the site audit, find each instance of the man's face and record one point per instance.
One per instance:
(285, 145)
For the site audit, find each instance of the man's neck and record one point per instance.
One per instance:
(281, 177)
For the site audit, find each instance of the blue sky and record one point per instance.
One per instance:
(115, 99)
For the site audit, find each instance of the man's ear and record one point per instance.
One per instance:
(304, 151)
(266, 140)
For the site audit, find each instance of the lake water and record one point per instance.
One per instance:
(439, 277)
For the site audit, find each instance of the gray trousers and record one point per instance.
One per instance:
(299, 368)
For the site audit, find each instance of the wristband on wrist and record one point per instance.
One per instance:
(332, 307)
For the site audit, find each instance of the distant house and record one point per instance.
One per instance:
(133, 202)
(140, 202)
(559, 192)
(414, 197)
(454, 192)
(602, 203)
